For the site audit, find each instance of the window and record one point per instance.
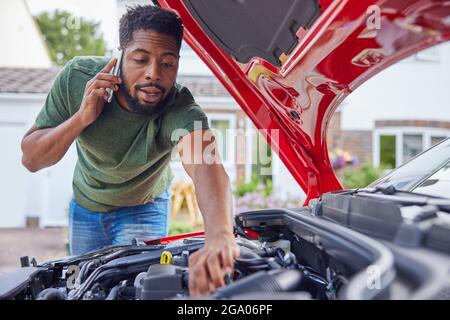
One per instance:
(387, 151)
(436, 139)
(262, 157)
(221, 132)
(223, 126)
(420, 171)
(412, 146)
(395, 146)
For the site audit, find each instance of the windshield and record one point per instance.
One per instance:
(438, 184)
(428, 172)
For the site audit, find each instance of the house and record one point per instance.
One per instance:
(23, 194)
(399, 113)
(26, 74)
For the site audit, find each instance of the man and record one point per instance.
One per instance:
(122, 176)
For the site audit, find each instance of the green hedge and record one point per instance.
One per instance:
(361, 176)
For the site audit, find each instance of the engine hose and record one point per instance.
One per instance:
(247, 243)
(113, 293)
(267, 252)
(51, 294)
(85, 270)
(247, 253)
(272, 281)
(250, 260)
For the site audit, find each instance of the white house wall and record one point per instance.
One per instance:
(44, 194)
(407, 90)
(22, 43)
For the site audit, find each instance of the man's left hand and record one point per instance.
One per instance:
(209, 265)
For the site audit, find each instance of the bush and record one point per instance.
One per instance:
(255, 200)
(257, 194)
(256, 184)
(361, 176)
(179, 228)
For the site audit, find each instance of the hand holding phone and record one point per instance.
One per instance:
(96, 93)
(115, 72)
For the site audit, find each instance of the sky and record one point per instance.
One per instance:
(103, 11)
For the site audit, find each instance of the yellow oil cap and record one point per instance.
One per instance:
(166, 258)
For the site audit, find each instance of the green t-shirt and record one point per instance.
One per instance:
(123, 157)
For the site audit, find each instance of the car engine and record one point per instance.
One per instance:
(347, 245)
(266, 268)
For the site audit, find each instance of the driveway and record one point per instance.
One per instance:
(42, 244)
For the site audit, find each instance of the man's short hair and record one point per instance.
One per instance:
(149, 18)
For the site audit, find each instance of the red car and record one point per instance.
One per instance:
(289, 64)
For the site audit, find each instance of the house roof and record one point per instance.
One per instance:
(26, 80)
(35, 80)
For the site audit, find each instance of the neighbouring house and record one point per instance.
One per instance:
(26, 195)
(399, 113)
(26, 74)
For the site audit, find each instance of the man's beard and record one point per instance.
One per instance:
(143, 108)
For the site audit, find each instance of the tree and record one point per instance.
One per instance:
(67, 36)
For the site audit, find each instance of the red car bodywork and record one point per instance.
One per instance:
(333, 57)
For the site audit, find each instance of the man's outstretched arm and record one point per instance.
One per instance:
(209, 265)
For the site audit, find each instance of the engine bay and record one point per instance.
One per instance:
(149, 272)
(306, 253)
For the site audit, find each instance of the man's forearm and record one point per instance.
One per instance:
(213, 190)
(209, 265)
(45, 147)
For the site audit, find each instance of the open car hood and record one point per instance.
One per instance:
(290, 63)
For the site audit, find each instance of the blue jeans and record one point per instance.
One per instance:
(91, 230)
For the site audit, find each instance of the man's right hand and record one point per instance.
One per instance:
(95, 93)
(44, 147)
